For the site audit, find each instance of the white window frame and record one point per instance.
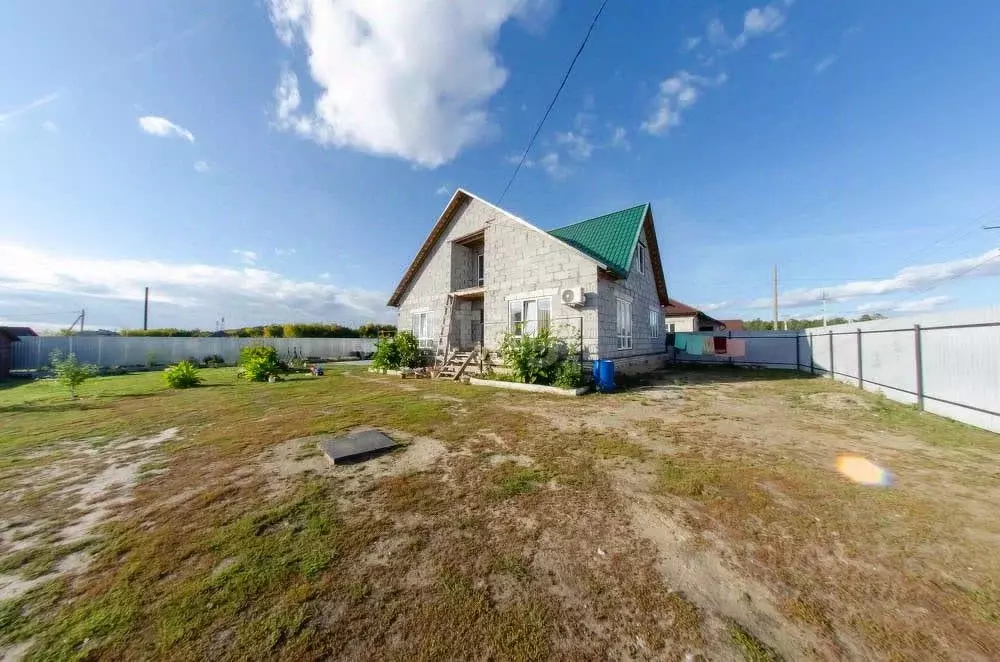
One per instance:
(654, 323)
(623, 322)
(641, 254)
(521, 307)
(671, 327)
(420, 326)
(480, 269)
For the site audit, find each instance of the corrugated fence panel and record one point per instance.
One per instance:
(845, 357)
(770, 349)
(890, 364)
(962, 366)
(33, 353)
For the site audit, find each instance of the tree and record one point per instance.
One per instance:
(70, 372)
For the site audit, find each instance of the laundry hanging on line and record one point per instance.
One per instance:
(695, 345)
(736, 347)
(719, 344)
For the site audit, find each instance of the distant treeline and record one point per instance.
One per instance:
(798, 325)
(367, 330)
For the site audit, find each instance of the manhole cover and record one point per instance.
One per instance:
(356, 445)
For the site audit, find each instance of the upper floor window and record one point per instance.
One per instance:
(641, 258)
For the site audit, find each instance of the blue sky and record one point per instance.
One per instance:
(282, 160)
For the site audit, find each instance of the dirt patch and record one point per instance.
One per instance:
(839, 401)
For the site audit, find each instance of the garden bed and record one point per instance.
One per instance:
(533, 388)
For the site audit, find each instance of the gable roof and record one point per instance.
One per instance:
(608, 241)
(19, 330)
(610, 238)
(677, 309)
(4, 333)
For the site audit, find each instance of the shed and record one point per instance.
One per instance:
(7, 339)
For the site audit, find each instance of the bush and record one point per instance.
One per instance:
(533, 359)
(401, 350)
(182, 375)
(70, 372)
(258, 362)
(569, 374)
(214, 361)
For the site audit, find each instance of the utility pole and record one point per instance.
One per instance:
(824, 307)
(145, 313)
(83, 316)
(775, 297)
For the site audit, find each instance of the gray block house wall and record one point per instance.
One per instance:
(524, 262)
(640, 290)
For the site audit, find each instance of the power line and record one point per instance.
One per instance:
(548, 110)
(982, 263)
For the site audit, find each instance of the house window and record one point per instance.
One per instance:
(480, 269)
(671, 326)
(422, 329)
(654, 323)
(529, 316)
(641, 257)
(624, 324)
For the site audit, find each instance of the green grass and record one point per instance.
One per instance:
(510, 479)
(752, 648)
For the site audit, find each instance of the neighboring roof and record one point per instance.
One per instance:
(609, 238)
(4, 333)
(19, 330)
(677, 309)
(608, 241)
(734, 325)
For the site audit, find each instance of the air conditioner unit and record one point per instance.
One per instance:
(573, 296)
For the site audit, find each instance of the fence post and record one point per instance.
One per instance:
(829, 335)
(861, 380)
(727, 348)
(100, 348)
(812, 352)
(798, 336)
(38, 353)
(919, 360)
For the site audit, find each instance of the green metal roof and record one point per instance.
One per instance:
(610, 238)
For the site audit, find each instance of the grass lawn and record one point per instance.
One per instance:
(696, 512)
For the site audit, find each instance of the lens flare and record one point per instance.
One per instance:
(863, 471)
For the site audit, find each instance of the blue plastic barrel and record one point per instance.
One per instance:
(605, 379)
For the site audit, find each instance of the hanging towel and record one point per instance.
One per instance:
(695, 345)
(737, 347)
(681, 341)
(707, 345)
(720, 344)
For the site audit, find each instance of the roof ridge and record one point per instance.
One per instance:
(599, 216)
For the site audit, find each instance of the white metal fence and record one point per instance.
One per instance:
(947, 364)
(32, 353)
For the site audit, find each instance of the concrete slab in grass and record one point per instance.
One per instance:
(356, 446)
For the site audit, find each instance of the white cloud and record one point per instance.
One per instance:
(161, 126)
(553, 165)
(824, 64)
(247, 257)
(514, 159)
(906, 280)
(759, 20)
(201, 166)
(284, 252)
(778, 55)
(325, 275)
(709, 307)
(28, 107)
(183, 294)
(577, 145)
(410, 80)
(677, 93)
(50, 126)
(691, 43)
(921, 305)
(619, 138)
(442, 190)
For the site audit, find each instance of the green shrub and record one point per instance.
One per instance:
(401, 350)
(258, 362)
(533, 359)
(182, 375)
(70, 372)
(569, 374)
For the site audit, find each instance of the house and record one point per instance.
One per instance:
(483, 272)
(20, 331)
(734, 325)
(7, 339)
(684, 318)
